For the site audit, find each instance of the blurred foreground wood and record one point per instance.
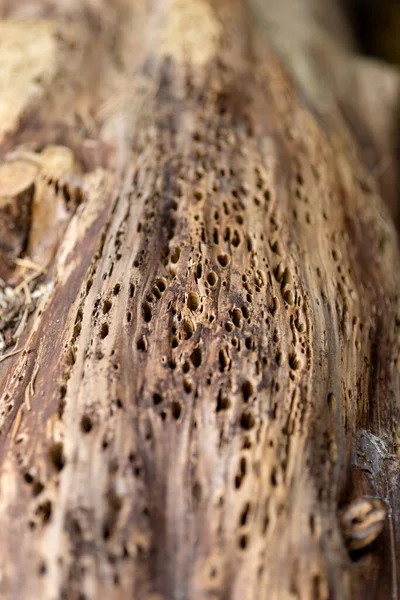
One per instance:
(199, 305)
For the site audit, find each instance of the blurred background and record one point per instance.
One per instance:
(376, 27)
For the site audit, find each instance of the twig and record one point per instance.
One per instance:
(17, 424)
(33, 379)
(27, 397)
(27, 263)
(393, 556)
(28, 297)
(13, 353)
(21, 325)
(27, 280)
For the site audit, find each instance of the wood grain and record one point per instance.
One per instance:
(212, 355)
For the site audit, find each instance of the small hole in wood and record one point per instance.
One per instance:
(107, 304)
(146, 311)
(157, 399)
(141, 344)
(104, 331)
(176, 409)
(196, 357)
(223, 260)
(247, 421)
(56, 454)
(86, 424)
(212, 278)
(247, 390)
(193, 301)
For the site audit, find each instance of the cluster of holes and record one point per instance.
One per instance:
(284, 277)
(158, 288)
(237, 319)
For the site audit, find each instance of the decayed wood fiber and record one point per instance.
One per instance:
(210, 368)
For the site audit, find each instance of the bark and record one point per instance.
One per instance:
(199, 308)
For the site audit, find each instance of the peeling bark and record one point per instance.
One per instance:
(200, 334)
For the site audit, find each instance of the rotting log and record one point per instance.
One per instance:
(199, 309)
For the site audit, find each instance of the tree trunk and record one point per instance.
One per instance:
(199, 307)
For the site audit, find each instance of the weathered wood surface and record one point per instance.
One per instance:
(207, 370)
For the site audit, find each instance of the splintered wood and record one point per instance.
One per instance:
(210, 320)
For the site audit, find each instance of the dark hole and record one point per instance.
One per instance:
(141, 344)
(56, 453)
(247, 390)
(247, 421)
(243, 542)
(107, 304)
(223, 402)
(86, 424)
(193, 301)
(196, 357)
(146, 311)
(104, 331)
(157, 399)
(223, 260)
(176, 410)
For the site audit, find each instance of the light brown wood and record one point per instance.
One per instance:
(200, 321)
